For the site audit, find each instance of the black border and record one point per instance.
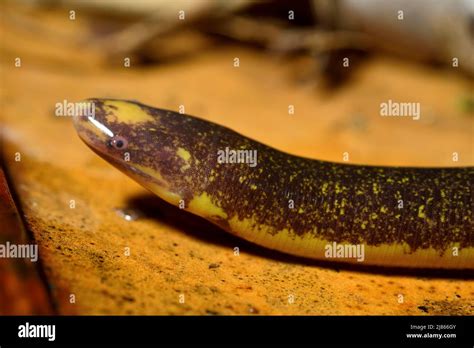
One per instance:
(223, 330)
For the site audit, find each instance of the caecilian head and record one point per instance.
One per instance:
(134, 138)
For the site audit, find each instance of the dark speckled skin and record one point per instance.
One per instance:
(336, 202)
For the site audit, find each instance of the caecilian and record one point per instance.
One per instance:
(400, 216)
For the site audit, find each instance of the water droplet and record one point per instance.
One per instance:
(128, 214)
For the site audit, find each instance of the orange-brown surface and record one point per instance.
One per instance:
(22, 292)
(174, 257)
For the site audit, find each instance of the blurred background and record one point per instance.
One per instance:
(306, 77)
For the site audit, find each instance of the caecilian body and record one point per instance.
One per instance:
(396, 216)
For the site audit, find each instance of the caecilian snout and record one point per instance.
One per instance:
(90, 123)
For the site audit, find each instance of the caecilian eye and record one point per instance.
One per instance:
(119, 142)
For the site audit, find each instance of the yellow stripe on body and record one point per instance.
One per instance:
(309, 246)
